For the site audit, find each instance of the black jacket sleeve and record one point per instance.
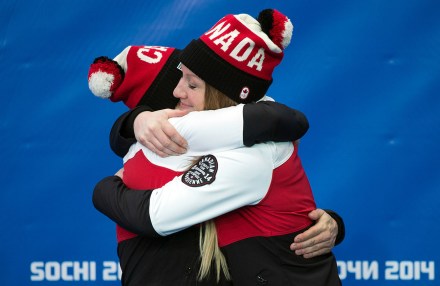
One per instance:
(263, 121)
(341, 226)
(272, 121)
(128, 208)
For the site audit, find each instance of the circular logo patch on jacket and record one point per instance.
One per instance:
(202, 173)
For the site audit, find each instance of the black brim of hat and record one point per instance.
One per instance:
(220, 74)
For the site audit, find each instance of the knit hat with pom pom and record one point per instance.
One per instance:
(139, 75)
(238, 54)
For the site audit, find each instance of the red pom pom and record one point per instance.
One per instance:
(277, 26)
(105, 76)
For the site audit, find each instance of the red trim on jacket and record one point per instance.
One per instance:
(283, 210)
(141, 174)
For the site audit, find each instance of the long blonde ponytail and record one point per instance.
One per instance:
(210, 252)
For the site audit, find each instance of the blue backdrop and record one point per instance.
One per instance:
(366, 73)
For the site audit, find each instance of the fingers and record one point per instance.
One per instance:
(313, 244)
(318, 239)
(153, 130)
(323, 223)
(316, 253)
(168, 142)
(173, 140)
(309, 234)
(163, 145)
(313, 247)
(176, 112)
(154, 146)
(316, 214)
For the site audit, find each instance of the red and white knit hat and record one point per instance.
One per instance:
(239, 53)
(139, 75)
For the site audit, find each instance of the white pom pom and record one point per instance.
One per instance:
(100, 83)
(287, 33)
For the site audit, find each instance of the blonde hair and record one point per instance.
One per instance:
(210, 252)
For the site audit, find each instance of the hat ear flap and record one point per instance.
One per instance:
(277, 26)
(105, 76)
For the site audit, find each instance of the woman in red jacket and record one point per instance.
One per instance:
(277, 201)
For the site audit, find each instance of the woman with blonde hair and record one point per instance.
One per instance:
(259, 196)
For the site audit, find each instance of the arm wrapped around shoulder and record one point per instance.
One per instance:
(271, 121)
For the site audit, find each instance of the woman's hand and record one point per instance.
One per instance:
(153, 130)
(318, 239)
